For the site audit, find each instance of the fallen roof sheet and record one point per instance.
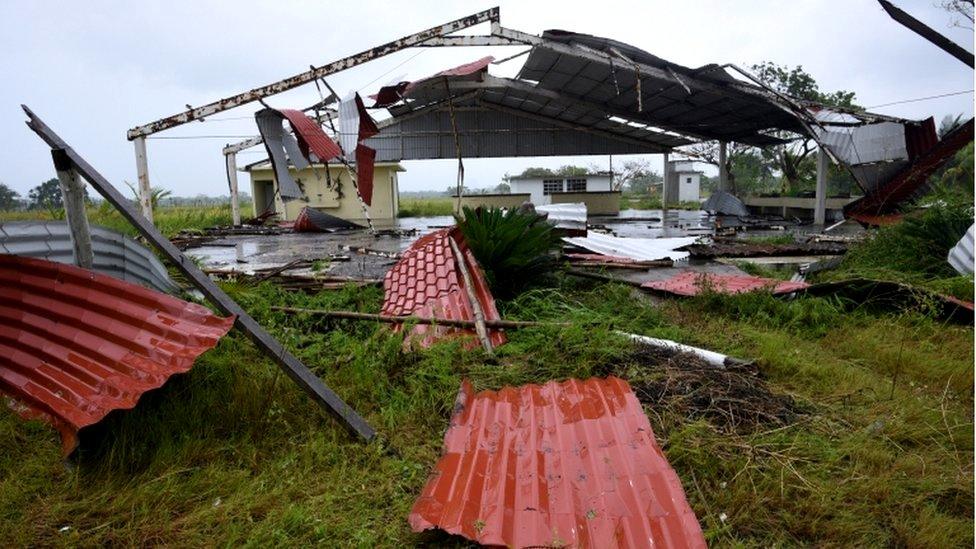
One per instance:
(427, 282)
(474, 70)
(311, 220)
(692, 283)
(743, 248)
(571, 463)
(78, 344)
(641, 249)
(571, 217)
(725, 203)
(113, 253)
(961, 255)
(912, 182)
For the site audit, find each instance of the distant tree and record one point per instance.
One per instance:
(9, 199)
(708, 152)
(637, 177)
(949, 123)
(537, 172)
(562, 171)
(502, 188)
(793, 160)
(570, 171)
(157, 195)
(46, 196)
(961, 11)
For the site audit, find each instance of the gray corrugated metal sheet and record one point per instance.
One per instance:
(641, 249)
(115, 254)
(725, 203)
(961, 255)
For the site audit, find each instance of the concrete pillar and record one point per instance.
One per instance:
(142, 171)
(235, 205)
(723, 172)
(664, 188)
(820, 209)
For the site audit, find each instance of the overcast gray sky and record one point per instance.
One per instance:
(94, 69)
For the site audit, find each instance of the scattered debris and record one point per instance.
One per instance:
(578, 457)
(734, 399)
(570, 218)
(355, 315)
(725, 203)
(961, 255)
(428, 282)
(308, 283)
(641, 249)
(739, 248)
(895, 296)
(311, 220)
(80, 344)
(711, 357)
(362, 250)
(693, 283)
(614, 261)
(114, 254)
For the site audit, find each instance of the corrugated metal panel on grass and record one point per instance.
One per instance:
(75, 344)
(569, 463)
(692, 283)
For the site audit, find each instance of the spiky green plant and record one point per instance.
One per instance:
(513, 248)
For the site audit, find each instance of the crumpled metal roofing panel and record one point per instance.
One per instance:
(692, 283)
(571, 463)
(641, 249)
(570, 216)
(311, 220)
(725, 203)
(114, 253)
(77, 344)
(427, 282)
(961, 255)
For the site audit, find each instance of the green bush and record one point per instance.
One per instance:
(513, 248)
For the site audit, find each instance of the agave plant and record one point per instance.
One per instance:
(514, 248)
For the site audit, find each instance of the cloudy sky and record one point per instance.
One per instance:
(94, 69)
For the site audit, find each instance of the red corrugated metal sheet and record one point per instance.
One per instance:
(391, 94)
(310, 135)
(912, 181)
(919, 138)
(426, 282)
(571, 464)
(76, 345)
(365, 160)
(310, 220)
(693, 283)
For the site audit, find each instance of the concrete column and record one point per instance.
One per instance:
(723, 172)
(664, 187)
(142, 171)
(820, 209)
(235, 205)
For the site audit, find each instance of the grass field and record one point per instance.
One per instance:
(426, 207)
(168, 219)
(877, 449)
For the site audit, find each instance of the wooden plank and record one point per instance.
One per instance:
(73, 196)
(297, 371)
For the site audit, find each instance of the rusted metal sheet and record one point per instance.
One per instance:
(78, 344)
(426, 282)
(565, 464)
(314, 74)
(693, 283)
(389, 95)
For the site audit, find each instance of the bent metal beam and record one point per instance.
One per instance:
(294, 368)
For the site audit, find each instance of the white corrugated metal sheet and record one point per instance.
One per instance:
(725, 203)
(641, 249)
(961, 255)
(565, 216)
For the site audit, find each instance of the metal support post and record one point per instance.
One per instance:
(820, 210)
(664, 190)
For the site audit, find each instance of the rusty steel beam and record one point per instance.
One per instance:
(446, 41)
(927, 33)
(314, 74)
(293, 367)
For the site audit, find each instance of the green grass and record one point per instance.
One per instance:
(168, 219)
(426, 207)
(643, 202)
(233, 453)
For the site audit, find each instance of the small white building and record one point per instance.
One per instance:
(685, 182)
(542, 188)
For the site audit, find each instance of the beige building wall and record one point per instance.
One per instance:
(494, 200)
(597, 203)
(320, 196)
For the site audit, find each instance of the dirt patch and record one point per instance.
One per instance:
(733, 399)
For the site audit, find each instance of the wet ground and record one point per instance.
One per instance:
(248, 253)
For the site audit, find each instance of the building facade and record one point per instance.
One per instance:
(541, 189)
(332, 193)
(684, 182)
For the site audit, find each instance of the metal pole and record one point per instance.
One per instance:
(723, 171)
(142, 172)
(235, 205)
(73, 195)
(820, 209)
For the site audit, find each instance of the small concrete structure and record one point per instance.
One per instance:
(542, 188)
(339, 199)
(684, 182)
